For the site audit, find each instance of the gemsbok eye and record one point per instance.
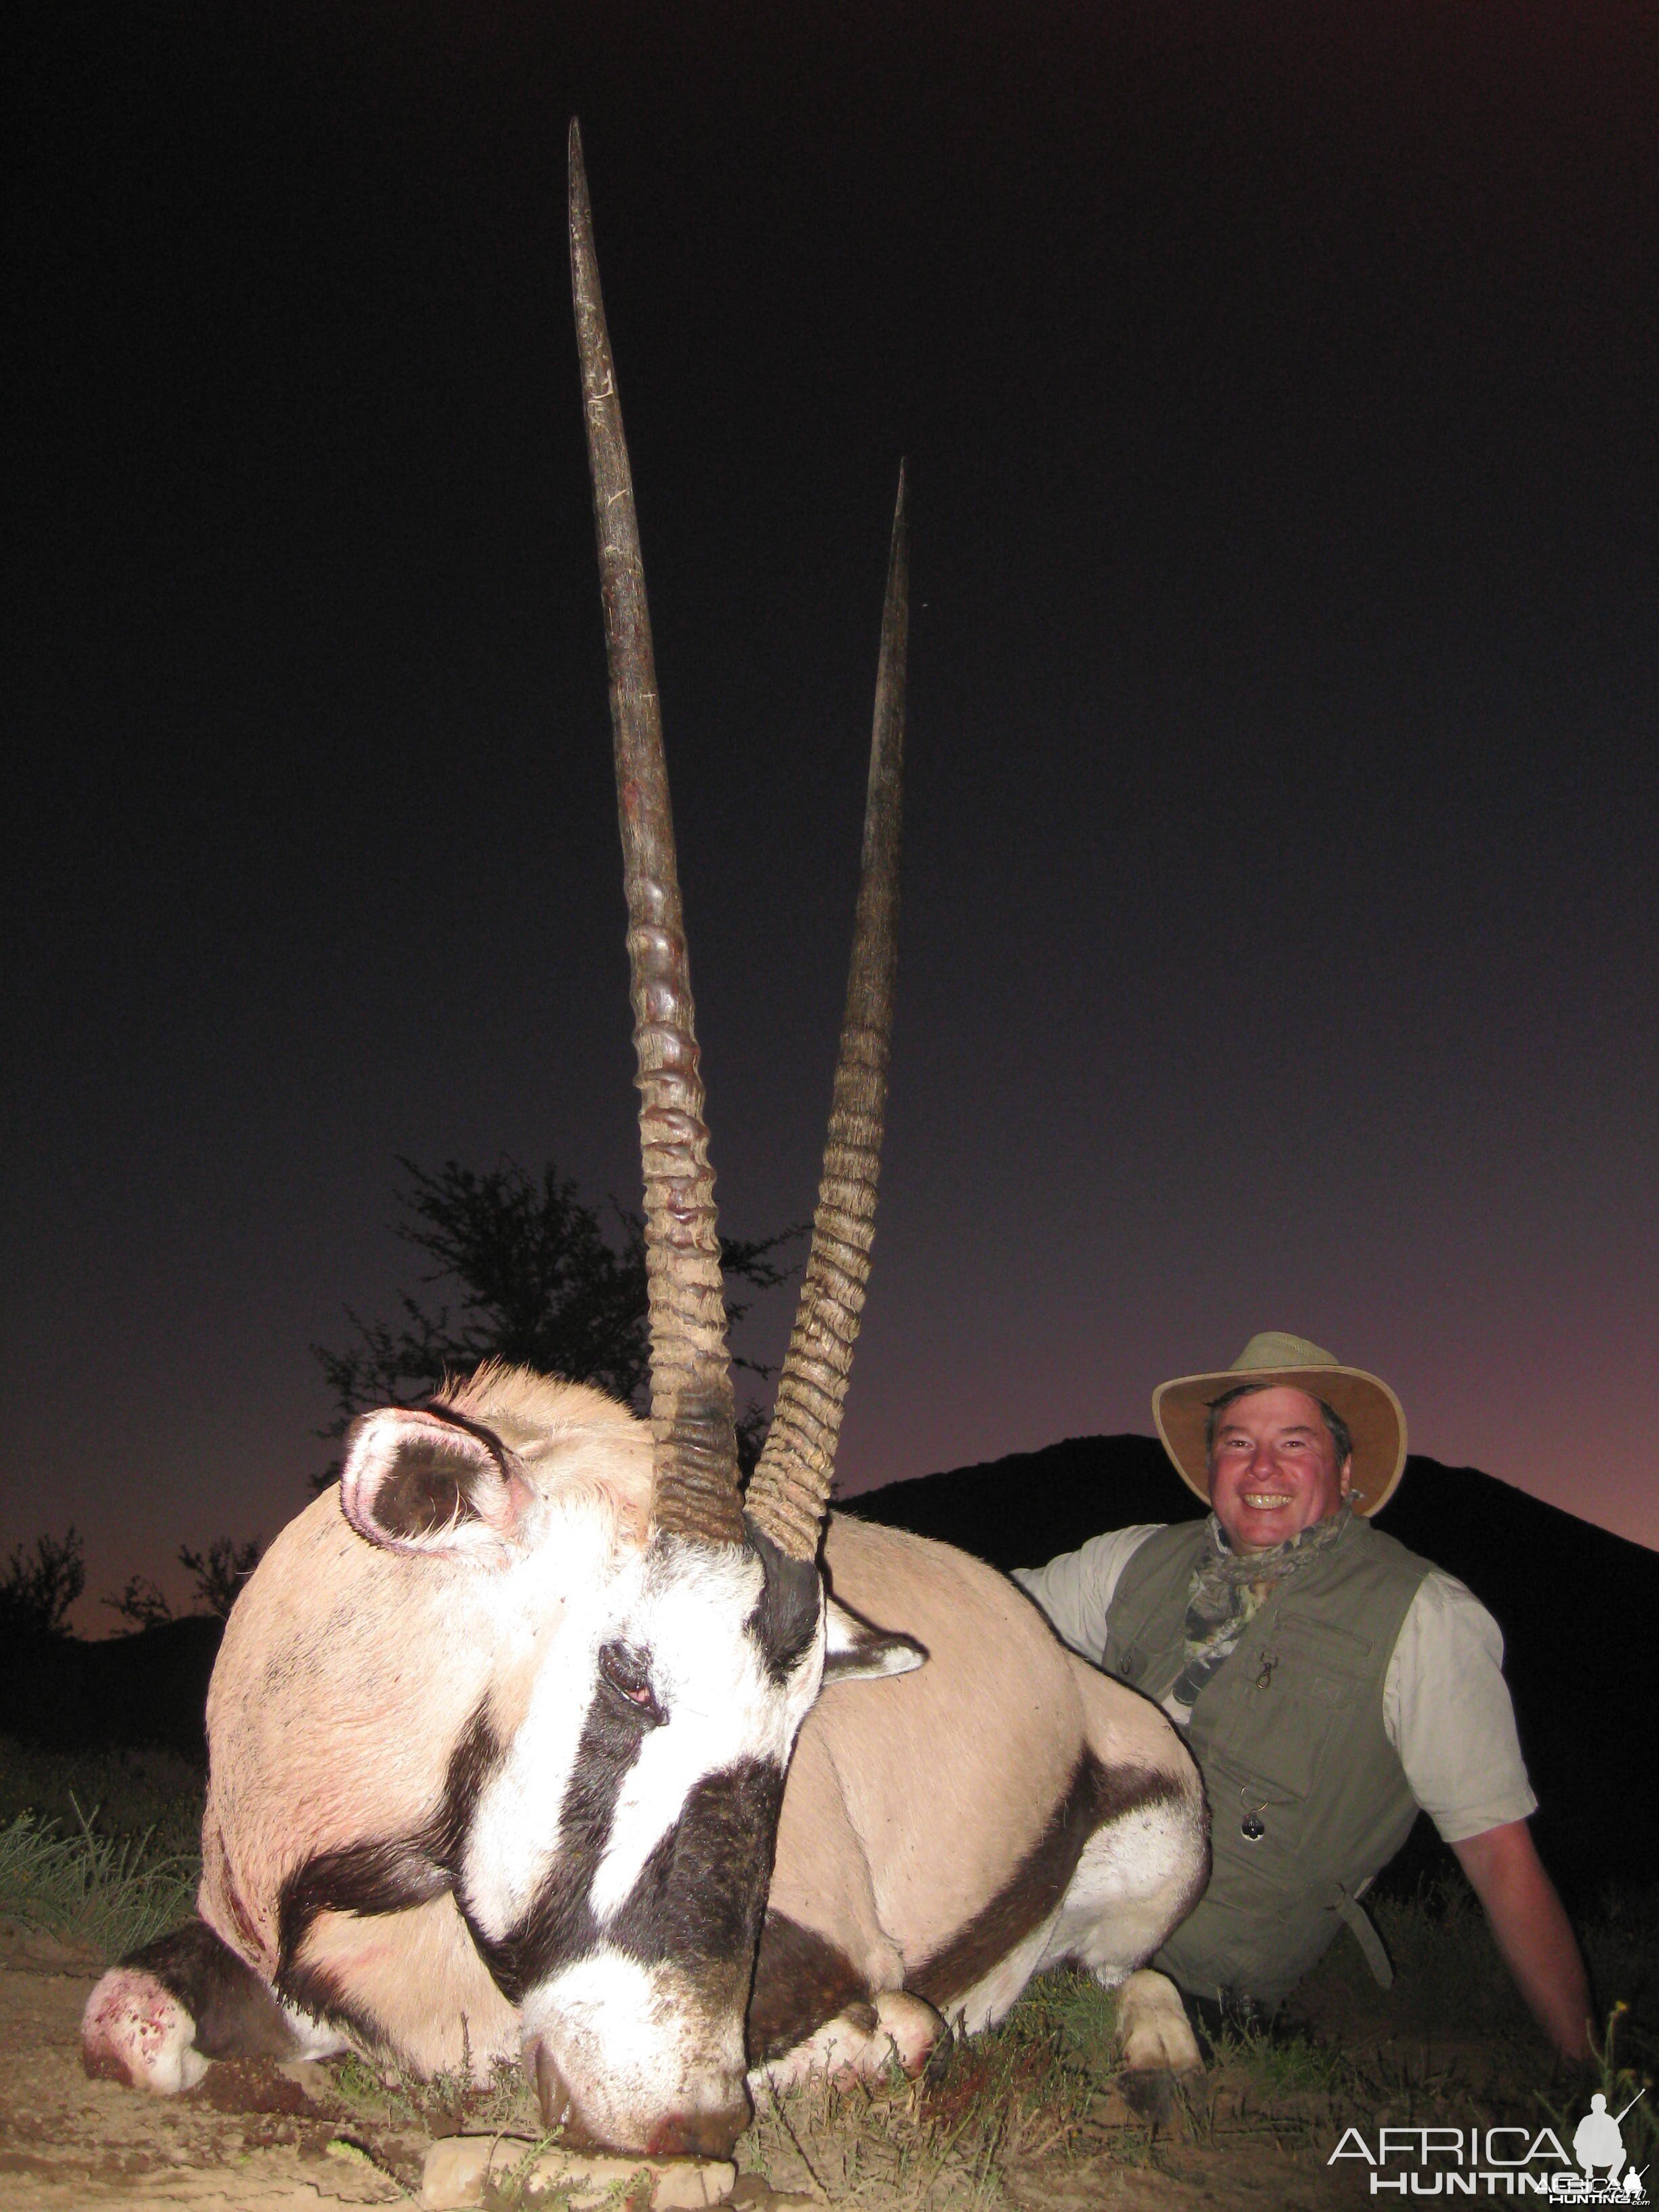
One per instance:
(626, 1673)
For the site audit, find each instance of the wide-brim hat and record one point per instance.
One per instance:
(1376, 1419)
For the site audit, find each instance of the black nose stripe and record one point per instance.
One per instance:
(699, 1897)
(697, 1903)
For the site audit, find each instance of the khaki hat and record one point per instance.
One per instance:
(1376, 1421)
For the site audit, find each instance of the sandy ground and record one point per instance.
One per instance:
(256, 2138)
(248, 2137)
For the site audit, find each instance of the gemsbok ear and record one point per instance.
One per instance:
(420, 1481)
(854, 1651)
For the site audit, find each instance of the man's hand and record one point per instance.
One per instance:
(1532, 1932)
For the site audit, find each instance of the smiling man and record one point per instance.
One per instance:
(1329, 1681)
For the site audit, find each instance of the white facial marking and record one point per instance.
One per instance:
(514, 1835)
(600, 2009)
(631, 2040)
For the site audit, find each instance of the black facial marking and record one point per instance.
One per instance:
(1037, 1886)
(473, 1762)
(785, 1616)
(364, 1879)
(698, 1899)
(700, 1895)
(235, 2015)
(388, 1874)
(559, 1924)
(801, 1980)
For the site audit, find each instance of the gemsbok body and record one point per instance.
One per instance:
(499, 1732)
(1005, 1809)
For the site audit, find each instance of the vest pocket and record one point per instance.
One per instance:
(1290, 1686)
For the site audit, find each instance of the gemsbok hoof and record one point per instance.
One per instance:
(862, 2041)
(1157, 2046)
(1152, 2092)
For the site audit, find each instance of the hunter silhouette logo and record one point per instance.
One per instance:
(1597, 2142)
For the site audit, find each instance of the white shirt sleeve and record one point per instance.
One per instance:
(1076, 1590)
(1446, 1711)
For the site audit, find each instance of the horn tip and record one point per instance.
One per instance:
(578, 174)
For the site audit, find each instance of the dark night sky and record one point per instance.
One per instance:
(1280, 943)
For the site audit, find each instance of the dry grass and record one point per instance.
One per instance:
(101, 1849)
(1032, 2115)
(1019, 2097)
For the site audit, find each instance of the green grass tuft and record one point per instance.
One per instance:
(108, 1893)
(1630, 2095)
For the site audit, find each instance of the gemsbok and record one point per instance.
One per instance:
(500, 1729)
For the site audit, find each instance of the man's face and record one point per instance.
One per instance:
(1273, 1469)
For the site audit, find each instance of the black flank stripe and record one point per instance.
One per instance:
(1038, 1883)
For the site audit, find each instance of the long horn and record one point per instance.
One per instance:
(695, 1455)
(789, 1491)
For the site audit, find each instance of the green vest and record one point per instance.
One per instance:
(1288, 1734)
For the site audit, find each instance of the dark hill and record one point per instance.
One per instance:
(150, 1687)
(1577, 1606)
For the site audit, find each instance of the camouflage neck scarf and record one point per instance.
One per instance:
(1228, 1588)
